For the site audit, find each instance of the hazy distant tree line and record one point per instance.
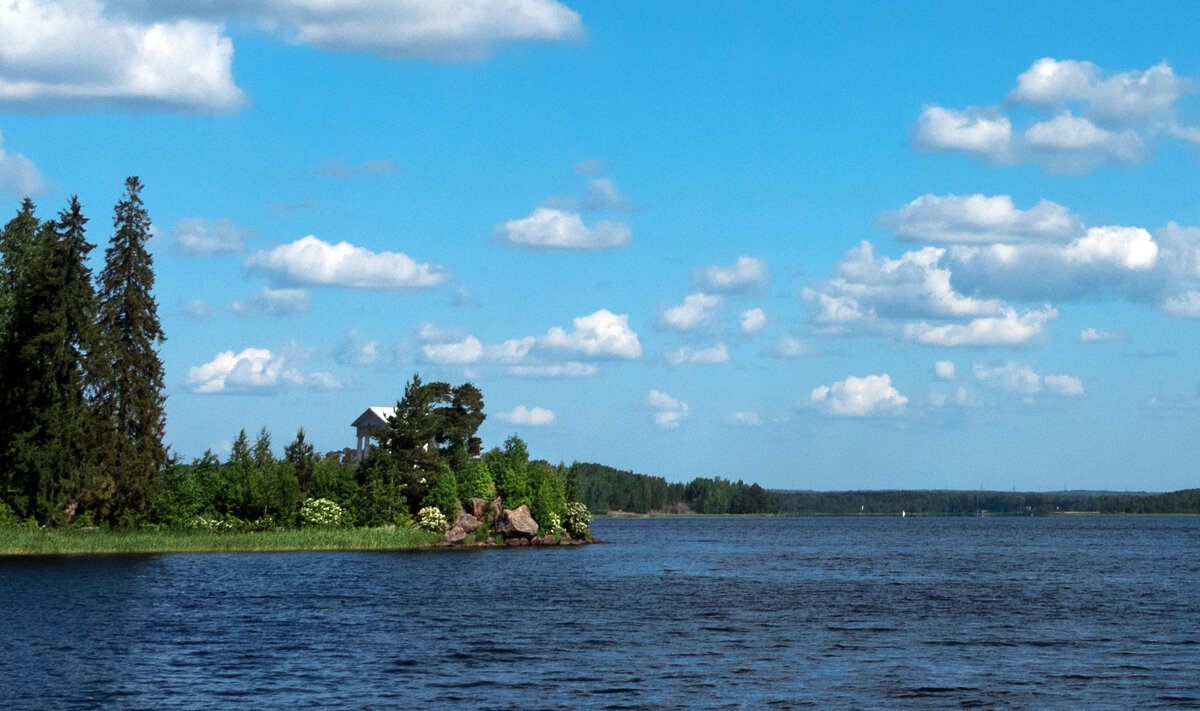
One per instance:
(972, 503)
(80, 378)
(604, 489)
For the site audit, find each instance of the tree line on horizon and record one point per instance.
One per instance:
(973, 503)
(81, 383)
(605, 489)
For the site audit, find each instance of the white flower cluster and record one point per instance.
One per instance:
(212, 525)
(577, 520)
(431, 519)
(320, 512)
(553, 523)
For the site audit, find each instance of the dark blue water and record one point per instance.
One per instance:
(671, 613)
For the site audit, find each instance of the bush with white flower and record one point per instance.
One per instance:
(577, 520)
(432, 519)
(321, 512)
(553, 523)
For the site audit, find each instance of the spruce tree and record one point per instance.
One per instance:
(16, 240)
(129, 375)
(49, 335)
(302, 457)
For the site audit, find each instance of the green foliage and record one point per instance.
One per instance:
(188, 491)
(55, 541)
(605, 489)
(10, 519)
(322, 512)
(432, 519)
(334, 481)
(302, 456)
(48, 334)
(475, 481)
(127, 374)
(443, 495)
(510, 469)
(381, 495)
(577, 520)
(238, 492)
(278, 490)
(547, 501)
(433, 427)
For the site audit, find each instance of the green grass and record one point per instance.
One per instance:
(55, 541)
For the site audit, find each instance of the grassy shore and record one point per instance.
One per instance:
(52, 541)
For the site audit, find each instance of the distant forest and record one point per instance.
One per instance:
(605, 489)
(973, 503)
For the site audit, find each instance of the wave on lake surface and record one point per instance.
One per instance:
(670, 613)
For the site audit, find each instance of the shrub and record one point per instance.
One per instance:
(475, 481)
(321, 512)
(577, 520)
(10, 519)
(443, 495)
(431, 519)
(547, 501)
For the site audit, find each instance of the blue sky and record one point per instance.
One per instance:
(912, 246)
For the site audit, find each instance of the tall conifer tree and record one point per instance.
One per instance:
(50, 334)
(16, 241)
(129, 377)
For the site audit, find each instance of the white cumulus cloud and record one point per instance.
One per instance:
(532, 417)
(1006, 331)
(695, 311)
(60, 55)
(1083, 119)
(745, 274)
(753, 321)
(19, 177)
(868, 396)
(600, 334)
(982, 133)
(1185, 305)
(668, 412)
(314, 262)
(551, 230)
(944, 369)
(395, 29)
(253, 370)
(1022, 380)
(1074, 145)
(979, 219)
(792, 347)
(1063, 384)
(468, 350)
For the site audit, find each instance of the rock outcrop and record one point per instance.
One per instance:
(516, 523)
(514, 527)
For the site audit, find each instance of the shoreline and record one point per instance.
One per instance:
(36, 542)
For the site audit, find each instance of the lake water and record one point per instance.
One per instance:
(670, 613)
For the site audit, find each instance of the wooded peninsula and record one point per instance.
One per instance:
(81, 441)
